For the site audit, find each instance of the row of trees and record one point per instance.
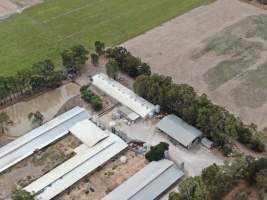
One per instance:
(88, 96)
(215, 121)
(216, 181)
(42, 75)
(121, 59)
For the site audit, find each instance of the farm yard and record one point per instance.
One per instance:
(220, 50)
(43, 31)
(37, 165)
(104, 180)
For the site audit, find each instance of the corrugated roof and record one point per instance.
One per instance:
(178, 130)
(128, 112)
(69, 172)
(40, 137)
(88, 132)
(124, 95)
(148, 183)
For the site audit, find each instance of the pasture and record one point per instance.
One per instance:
(46, 29)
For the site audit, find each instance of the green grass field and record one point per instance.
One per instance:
(43, 31)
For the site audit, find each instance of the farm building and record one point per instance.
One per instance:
(124, 95)
(127, 113)
(89, 156)
(40, 137)
(180, 131)
(148, 183)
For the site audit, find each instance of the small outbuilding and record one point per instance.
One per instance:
(207, 143)
(88, 132)
(179, 130)
(128, 114)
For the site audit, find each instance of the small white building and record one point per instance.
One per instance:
(124, 95)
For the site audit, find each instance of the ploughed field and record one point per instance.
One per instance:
(46, 29)
(220, 49)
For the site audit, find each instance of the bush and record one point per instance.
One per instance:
(88, 96)
(21, 195)
(242, 196)
(157, 152)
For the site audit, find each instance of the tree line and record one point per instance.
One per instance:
(120, 59)
(218, 124)
(216, 181)
(42, 75)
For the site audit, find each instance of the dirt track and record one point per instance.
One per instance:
(170, 48)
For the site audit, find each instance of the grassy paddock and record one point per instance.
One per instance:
(45, 30)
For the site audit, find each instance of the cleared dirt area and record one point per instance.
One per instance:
(10, 7)
(252, 192)
(220, 50)
(48, 104)
(37, 165)
(105, 179)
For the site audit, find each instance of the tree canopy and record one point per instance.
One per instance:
(214, 121)
(157, 152)
(21, 195)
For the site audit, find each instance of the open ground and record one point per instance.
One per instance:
(10, 7)
(43, 31)
(220, 49)
(96, 185)
(37, 165)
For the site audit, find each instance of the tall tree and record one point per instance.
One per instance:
(112, 68)
(99, 48)
(74, 58)
(4, 122)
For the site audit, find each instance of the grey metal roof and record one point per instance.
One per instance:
(176, 128)
(148, 183)
(40, 137)
(72, 170)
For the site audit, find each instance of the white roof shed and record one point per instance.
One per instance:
(40, 137)
(88, 132)
(124, 95)
(86, 160)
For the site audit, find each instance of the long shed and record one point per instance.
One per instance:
(179, 130)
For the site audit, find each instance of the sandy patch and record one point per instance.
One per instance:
(37, 165)
(170, 49)
(10, 7)
(105, 179)
(48, 104)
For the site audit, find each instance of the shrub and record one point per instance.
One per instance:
(88, 96)
(157, 152)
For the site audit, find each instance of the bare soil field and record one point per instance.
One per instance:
(10, 7)
(252, 192)
(37, 165)
(95, 186)
(220, 49)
